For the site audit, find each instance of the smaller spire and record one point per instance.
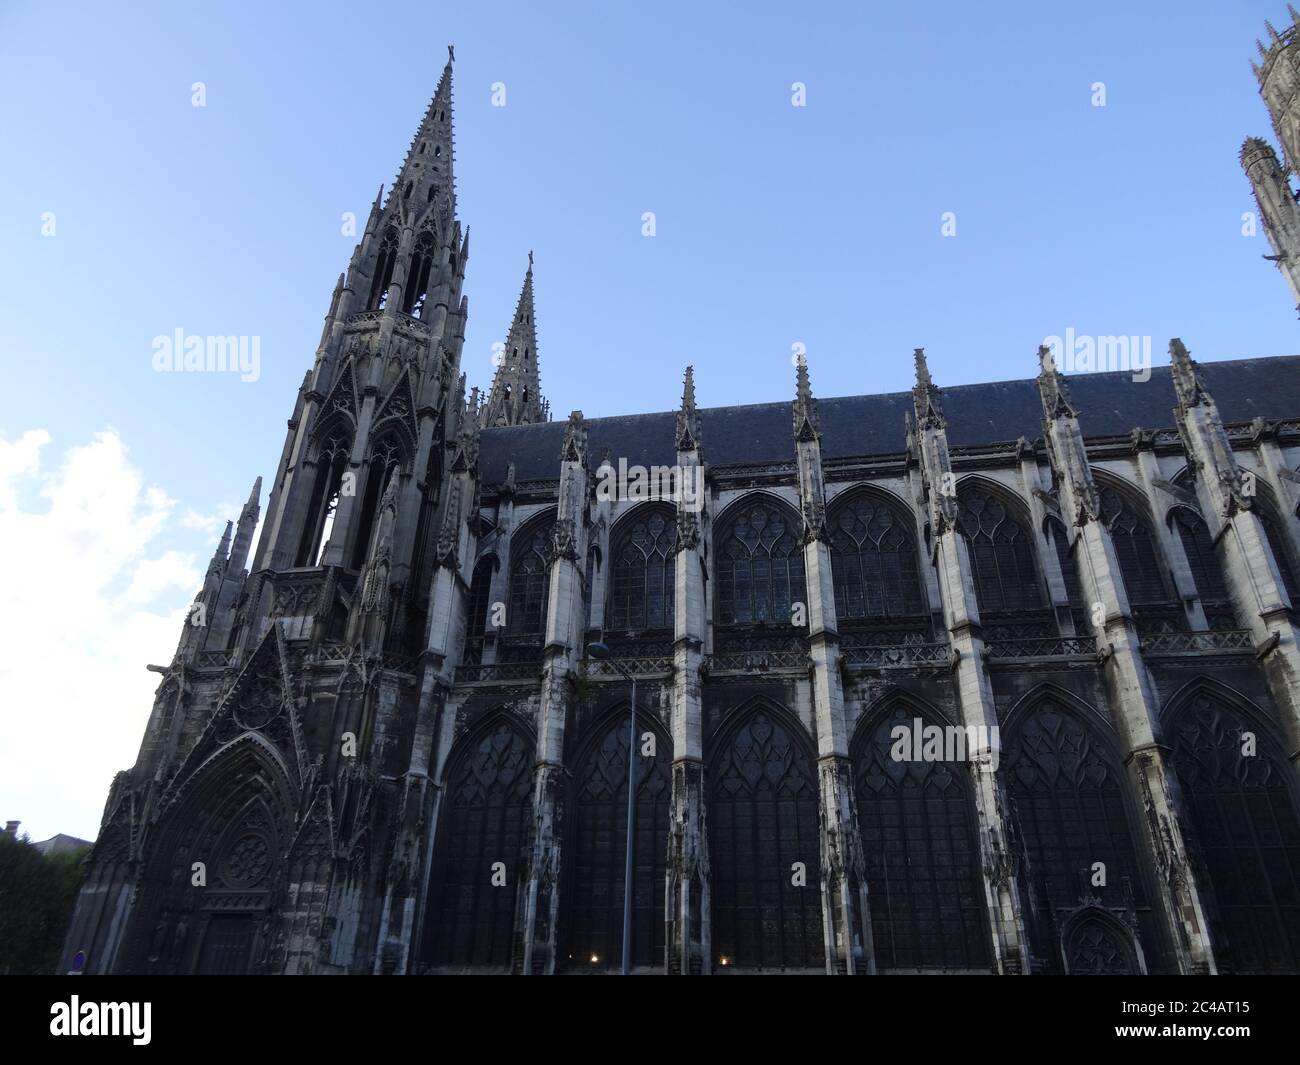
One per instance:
(1052, 387)
(516, 395)
(1262, 50)
(807, 423)
(1272, 33)
(925, 397)
(688, 419)
(256, 493)
(575, 439)
(222, 553)
(1187, 379)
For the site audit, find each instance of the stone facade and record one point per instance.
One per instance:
(380, 747)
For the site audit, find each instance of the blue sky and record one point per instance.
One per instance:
(775, 225)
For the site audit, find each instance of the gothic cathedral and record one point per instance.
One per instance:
(381, 746)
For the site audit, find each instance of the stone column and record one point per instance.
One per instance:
(974, 693)
(564, 631)
(846, 925)
(686, 889)
(1128, 684)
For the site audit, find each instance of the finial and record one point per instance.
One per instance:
(803, 387)
(451, 54)
(530, 260)
(922, 367)
(688, 389)
(1046, 364)
(1187, 382)
(925, 397)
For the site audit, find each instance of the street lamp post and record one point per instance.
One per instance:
(600, 652)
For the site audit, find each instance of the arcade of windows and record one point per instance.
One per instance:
(758, 567)
(1061, 766)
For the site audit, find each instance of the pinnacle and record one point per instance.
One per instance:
(922, 368)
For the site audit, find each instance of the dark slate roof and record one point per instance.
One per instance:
(1109, 404)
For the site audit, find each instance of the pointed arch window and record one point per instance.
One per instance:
(918, 832)
(485, 820)
(417, 287)
(480, 591)
(596, 825)
(644, 577)
(762, 819)
(1069, 805)
(529, 580)
(1244, 811)
(1001, 553)
(760, 567)
(1281, 552)
(1207, 574)
(383, 276)
(1139, 563)
(386, 456)
(331, 464)
(873, 561)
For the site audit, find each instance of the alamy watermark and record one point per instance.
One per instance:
(683, 485)
(1097, 354)
(916, 741)
(208, 354)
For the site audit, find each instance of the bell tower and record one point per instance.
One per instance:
(291, 711)
(365, 449)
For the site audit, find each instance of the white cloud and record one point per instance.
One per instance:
(92, 593)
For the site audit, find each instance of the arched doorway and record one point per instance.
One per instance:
(763, 820)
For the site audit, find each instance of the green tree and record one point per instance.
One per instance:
(36, 899)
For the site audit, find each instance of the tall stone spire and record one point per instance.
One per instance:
(516, 396)
(426, 175)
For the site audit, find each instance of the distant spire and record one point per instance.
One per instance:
(256, 494)
(516, 395)
(807, 424)
(222, 553)
(925, 397)
(688, 418)
(1272, 33)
